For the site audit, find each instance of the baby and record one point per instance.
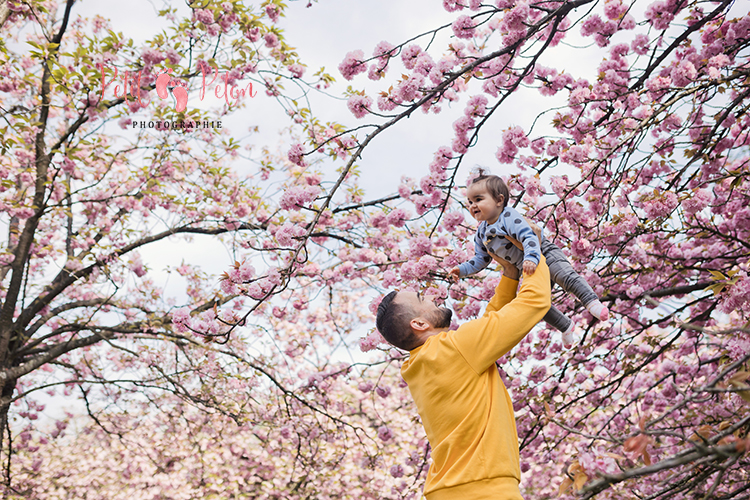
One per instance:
(504, 232)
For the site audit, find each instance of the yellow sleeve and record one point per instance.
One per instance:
(506, 321)
(504, 293)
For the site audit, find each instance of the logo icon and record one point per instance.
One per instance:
(164, 81)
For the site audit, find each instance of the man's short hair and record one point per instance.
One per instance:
(393, 323)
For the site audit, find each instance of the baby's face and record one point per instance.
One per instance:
(481, 204)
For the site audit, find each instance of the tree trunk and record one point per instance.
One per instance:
(5, 397)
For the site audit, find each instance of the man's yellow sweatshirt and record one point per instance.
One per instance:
(465, 408)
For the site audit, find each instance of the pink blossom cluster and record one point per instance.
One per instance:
(359, 105)
(552, 81)
(137, 266)
(699, 200)
(453, 5)
(423, 204)
(476, 106)
(241, 272)
(452, 220)
(296, 155)
(683, 73)
(602, 30)
(410, 54)
(419, 246)
(648, 168)
(660, 205)
(151, 57)
(253, 34)
(514, 23)
(737, 297)
(385, 222)
(412, 271)
(273, 12)
(464, 27)
(390, 279)
(353, 64)
(662, 12)
(462, 127)
(716, 63)
(204, 16)
(501, 79)
(439, 169)
(271, 39)
(297, 70)
(398, 217)
(397, 470)
(262, 287)
(296, 197)
(382, 54)
(219, 21)
(513, 139)
(408, 89)
(181, 319)
(384, 433)
(596, 461)
(288, 232)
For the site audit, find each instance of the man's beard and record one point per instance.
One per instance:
(442, 318)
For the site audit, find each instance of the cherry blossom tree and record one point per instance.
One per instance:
(639, 170)
(643, 178)
(101, 167)
(278, 450)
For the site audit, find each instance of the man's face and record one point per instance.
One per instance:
(438, 317)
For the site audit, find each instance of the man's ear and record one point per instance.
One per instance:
(419, 324)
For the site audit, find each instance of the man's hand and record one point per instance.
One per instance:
(529, 267)
(453, 274)
(509, 269)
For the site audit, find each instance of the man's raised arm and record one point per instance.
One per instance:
(508, 318)
(505, 291)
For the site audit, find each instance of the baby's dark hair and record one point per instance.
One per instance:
(495, 185)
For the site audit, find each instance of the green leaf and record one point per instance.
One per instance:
(718, 275)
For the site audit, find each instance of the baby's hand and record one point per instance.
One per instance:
(529, 267)
(453, 274)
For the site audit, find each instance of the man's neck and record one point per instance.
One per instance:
(425, 335)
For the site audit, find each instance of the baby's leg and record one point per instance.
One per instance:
(562, 273)
(558, 320)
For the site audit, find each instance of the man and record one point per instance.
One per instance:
(465, 408)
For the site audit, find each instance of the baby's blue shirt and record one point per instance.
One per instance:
(490, 238)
